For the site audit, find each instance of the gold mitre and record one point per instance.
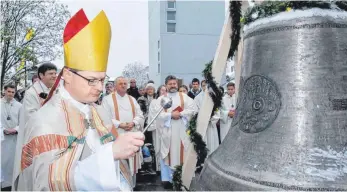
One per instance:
(87, 44)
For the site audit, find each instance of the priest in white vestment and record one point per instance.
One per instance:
(228, 110)
(9, 121)
(32, 101)
(155, 126)
(126, 116)
(69, 142)
(174, 139)
(211, 137)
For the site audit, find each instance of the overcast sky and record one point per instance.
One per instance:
(129, 25)
(129, 22)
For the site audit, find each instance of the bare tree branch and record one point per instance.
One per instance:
(46, 18)
(137, 71)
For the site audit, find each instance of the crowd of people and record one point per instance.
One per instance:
(64, 134)
(131, 109)
(147, 99)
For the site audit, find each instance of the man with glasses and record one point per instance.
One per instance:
(69, 143)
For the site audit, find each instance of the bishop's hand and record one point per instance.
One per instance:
(127, 144)
(231, 114)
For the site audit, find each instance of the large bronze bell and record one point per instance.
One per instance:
(290, 128)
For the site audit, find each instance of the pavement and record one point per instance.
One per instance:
(149, 183)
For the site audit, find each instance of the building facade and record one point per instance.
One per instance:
(183, 37)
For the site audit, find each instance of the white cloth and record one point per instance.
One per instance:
(9, 120)
(2, 133)
(98, 172)
(153, 110)
(229, 103)
(31, 103)
(126, 115)
(211, 137)
(172, 137)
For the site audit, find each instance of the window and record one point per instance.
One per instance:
(171, 4)
(158, 67)
(231, 69)
(158, 56)
(171, 15)
(171, 27)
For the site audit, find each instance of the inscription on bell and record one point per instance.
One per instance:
(258, 105)
(340, 104)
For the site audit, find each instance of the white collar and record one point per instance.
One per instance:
(120, 95)
(84, 108)
(5, 100)
(43, 86)
(229, 95)
(172, 94)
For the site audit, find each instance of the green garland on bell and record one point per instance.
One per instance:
(269, 8)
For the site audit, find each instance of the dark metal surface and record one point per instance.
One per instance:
(259, 105)
(290, 129)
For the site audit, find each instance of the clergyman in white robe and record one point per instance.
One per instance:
(211, 137)
(126, 114)
(174, 139)
(31, 103)
(154, 128)
(9, 120)
(88, 165)
(228, 104)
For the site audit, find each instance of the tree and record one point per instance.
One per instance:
(31, 31)
(137, 71)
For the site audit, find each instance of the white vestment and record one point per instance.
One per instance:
(174, 139)
(31, 103)
(153, 110)
(98, 171)
(9, 120)
(229, 103)
(126, 115)
(211, 137)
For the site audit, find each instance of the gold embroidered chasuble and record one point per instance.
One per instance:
(53, 143)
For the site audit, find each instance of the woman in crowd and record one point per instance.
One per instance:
(144, 102)
(183, 89)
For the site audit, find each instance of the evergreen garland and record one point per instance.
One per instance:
(235, 15)
(195, 137)
(201, 150)
(269, 8)
(214, 91)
